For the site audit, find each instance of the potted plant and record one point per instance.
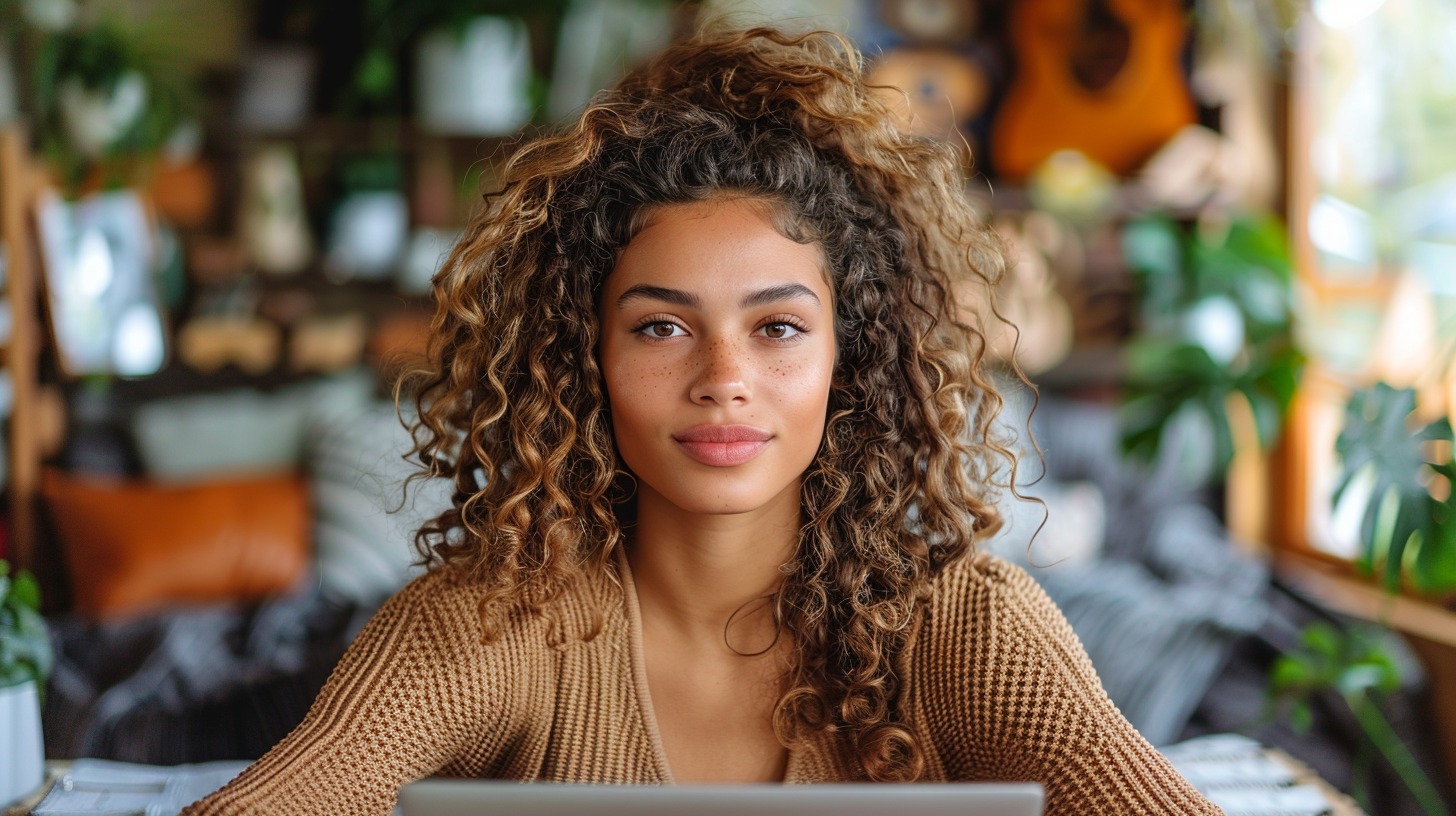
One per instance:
(25, 662)
(1396, 475)
(104, 103)
(1215, 334)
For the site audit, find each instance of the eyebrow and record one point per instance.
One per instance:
(677, 297)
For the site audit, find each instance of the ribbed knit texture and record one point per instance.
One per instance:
(997, 685)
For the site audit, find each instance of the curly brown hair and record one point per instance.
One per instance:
(514, 411)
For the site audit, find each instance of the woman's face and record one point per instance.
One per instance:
(718, 350)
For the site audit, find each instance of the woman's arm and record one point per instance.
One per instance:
(1011, 695)
(390, 713)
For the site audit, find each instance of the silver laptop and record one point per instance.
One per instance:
(457, 797)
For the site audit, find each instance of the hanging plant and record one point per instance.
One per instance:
(1402, 480)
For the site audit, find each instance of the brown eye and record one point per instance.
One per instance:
(661, 330)
(780, 331)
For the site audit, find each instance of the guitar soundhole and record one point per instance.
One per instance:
(1101, 47)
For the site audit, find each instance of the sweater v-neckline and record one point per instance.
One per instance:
(633, 611)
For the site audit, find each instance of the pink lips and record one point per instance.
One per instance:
(722, 445)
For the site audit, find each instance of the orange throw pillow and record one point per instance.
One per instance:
(132, 546)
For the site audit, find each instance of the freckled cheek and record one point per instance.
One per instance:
(636, 395)
(803, 383)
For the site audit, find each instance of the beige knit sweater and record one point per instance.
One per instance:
(998, 686)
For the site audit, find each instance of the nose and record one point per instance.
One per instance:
(722, 376)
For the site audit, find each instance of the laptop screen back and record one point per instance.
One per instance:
(455, 797)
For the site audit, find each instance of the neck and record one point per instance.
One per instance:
(695, 572)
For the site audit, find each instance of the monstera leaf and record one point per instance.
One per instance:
(1406, 531)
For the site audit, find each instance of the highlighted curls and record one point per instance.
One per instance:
(513, 409)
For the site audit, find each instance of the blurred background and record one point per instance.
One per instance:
(1234, 283)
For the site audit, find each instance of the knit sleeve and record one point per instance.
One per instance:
(392, 711)
(1009, 694)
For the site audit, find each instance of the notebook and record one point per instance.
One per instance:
(455, 797)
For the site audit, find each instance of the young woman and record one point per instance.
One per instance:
(708, 381)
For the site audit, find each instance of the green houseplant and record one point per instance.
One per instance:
(1215, 313)
(25, 647)
(1216, 328)
(105, 101)
(25, 662)
(1397, 475)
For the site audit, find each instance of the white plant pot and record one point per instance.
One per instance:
(475, 82)
(368, 235)
(23, 770)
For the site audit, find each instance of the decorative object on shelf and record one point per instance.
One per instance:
(1099, 76)
(1239, 59)
(181, 187)
(474, 80)
(98, 261)
(398, 343)
(273, 223)
(276, 88)
(1039, 318)
(932, 20)
(942, 91)
(328, 343)
(25, 663)
(1190, 171)
(208, 343)
(934, 70)
(1073, 186)
(370, 221)
(1214, 364)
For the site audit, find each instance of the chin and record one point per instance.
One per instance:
(721, 505)
(720, 496)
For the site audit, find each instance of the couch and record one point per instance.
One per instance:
(213, 591)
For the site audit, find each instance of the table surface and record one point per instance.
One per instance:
(1340, 804)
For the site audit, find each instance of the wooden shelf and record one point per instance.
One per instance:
(1360, 599)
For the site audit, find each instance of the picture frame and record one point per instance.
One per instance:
(97, 258)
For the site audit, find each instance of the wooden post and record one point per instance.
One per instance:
(21, 348)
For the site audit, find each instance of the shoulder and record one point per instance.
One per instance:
(449, 601)
(987, 612)
(442, 596)
(985, 583)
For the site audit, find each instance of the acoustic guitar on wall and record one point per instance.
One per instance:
(1102, 77)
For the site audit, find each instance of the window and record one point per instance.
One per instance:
(1373, 182)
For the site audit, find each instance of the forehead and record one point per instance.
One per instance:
(729, 244)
